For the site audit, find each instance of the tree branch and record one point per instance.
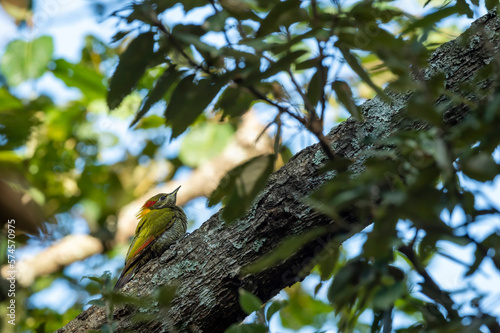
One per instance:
(208, 263)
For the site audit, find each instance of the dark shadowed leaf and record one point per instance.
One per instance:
(248, 301)
(344, 96)
(169, 77)
(241, 185)
(428, 21)
(282, 14)
(188, 101)
(281, 65)
(166, 294)
(314, 90)
(234, 101)
(490, 4)
(385, 297)
(275, 307)
(358, 69)
(131, 66)
(481, 167)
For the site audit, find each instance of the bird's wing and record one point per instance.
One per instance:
(147, 233)
(150, 227)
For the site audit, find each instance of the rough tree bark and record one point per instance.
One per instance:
(208, 263)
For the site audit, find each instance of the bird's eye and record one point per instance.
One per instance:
(163, 197)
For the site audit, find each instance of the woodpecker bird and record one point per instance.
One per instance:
(161, 223)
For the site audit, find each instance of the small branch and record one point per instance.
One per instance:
(217, 11)
(444, 299)
(157, 23)
(311, 124)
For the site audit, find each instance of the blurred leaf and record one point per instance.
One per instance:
(131, 66)
(344, 95)
(152, 121)
(249, 302)
(428, 21)
(234, 101)
(491, 4)
(15, 127)
(88, 81)
(282, 64)
(22, 61)
(283, 13)
(9, 101)
(481, 167)
(328, 259)
(303, 310)
(275, 307)
(169, 77)
(203, 142)
(314, 90)
(188, 101)
(358, 69)
(385, 297)
(241, 185)
(165, 295)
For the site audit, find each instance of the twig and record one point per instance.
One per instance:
(445, 299)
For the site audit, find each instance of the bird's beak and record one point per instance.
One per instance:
(175, 191)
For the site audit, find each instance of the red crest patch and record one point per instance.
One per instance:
(149, 203)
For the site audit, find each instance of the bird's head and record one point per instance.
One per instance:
(159, 201)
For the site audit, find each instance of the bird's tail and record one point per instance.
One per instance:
(125, 277)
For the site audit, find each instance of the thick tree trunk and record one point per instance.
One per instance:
(207, 264)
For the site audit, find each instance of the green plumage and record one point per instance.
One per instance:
(161, 224)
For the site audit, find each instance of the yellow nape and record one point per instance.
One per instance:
(143, 212)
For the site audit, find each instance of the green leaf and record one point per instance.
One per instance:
(188, 101)
(241, 185)
(491, 4)
(283, 13)
(358, 69)
(275, 307)
(481, 167)
(9, 101)
(314, 90)
(249, 302)
(462, 7)
(282, 64)
(284, 251)
(303, 310)
(385, 297)
(327, 261)
(82, 77)
(203, 142)
(131, 66)
(309, 63)
(344, 96)
(152, 121)
(428, 21)
(234, 101)
(169, 77)
(22, 61)
(166, 294)
(97, 302)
